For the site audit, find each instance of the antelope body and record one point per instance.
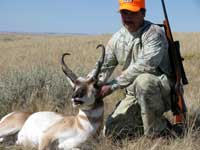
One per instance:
(51, 130)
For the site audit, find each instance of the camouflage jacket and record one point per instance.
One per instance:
(144, 51)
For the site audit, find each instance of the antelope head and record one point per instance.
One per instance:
(84, 89)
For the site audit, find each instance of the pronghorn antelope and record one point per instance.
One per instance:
(50, 129)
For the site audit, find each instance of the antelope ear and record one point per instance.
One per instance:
(70, 82)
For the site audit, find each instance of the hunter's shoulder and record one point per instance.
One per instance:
(153, 32)
(154, 29)
(121, 33)
(120, 36)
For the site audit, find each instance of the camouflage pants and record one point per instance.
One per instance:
(141, 112)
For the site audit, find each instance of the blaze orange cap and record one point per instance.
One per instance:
(131, 5)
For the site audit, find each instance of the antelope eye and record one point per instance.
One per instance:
(80, 93)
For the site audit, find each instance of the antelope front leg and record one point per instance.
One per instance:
(45, 143)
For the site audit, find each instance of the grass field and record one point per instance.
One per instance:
(31, 79)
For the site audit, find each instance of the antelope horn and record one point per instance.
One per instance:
(100, 61)
(68, 72)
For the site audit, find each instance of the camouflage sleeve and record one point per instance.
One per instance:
(110, 62)
(149, 57)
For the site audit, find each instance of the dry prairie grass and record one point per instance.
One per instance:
(31, 79)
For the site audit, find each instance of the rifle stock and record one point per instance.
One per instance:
(178, 104)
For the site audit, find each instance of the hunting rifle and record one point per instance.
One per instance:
(178, 108)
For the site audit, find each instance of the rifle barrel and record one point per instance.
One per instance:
(167, 20)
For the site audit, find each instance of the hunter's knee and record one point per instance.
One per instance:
(146, 82)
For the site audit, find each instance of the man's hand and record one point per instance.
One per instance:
(104, 91)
